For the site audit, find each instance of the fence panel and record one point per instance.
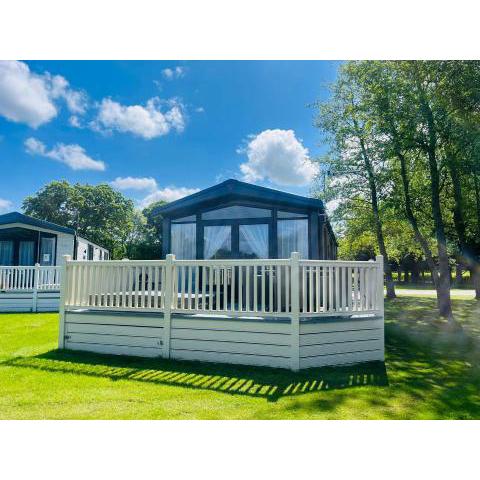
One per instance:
(229, 287)
(20, 278)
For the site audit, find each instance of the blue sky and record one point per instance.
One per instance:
(158, 130)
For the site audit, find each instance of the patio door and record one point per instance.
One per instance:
(47, 247)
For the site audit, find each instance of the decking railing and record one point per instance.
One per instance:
(280, 287)
(29, 278)
(262, 289)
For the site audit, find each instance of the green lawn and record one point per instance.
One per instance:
(428, 373)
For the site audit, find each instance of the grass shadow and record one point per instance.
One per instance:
(269, 383)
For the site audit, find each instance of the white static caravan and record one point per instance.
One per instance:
(31, 252)
(85, 250)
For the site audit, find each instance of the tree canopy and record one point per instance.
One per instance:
(404, 165)
(100, 214)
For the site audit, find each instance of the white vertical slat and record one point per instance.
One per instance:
(240, 288)
(270, 289)
(263, 289)
(355, 289)
(156, 286)
(225, 288)
(337, 287)
(232, 293)
(349, 289)
(331, 306)
(210, 288)
(204, 286)
(311, 289)
(304, 288)
(279, 288)
(287, 288)
(247, 289)
(218, 281)
(295, 316)
(197, 280)
(255, 288)
(363, 289)
(190, 286)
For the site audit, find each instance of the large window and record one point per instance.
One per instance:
(26, 253)
(184, 240)
(236, 212)
(253, 241)
(6, 252)
(217, 241)
(292, 237)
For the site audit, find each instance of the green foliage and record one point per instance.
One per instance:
(427, 111)
(97, 212)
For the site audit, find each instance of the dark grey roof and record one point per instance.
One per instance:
(234, 189)
(17, 217)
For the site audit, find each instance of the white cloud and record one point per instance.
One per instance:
(134, 183)
(5, 205)
(168, 194)
(200, 110)
(26, 97)
(147, 122)
(172, 73)
(279, 157)
(72, 155)
(74, 121)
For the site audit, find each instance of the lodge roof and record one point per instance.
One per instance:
(17, 217)
(236, 190)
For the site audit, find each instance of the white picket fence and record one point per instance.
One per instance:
(21, 278)
(26, 288)
(230, 287)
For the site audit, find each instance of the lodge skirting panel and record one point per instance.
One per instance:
(341, 341)
(221, 339)
(238, 341)
(139, 335)
(12, 301)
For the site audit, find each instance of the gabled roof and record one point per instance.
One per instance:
(235, 190)
(17, 217)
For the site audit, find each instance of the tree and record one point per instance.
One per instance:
(355, 165)
(143, 242)
(98, 213)
(420, 127)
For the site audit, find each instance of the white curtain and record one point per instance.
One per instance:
(216, 238)
(6, 252)
(292, 237)
(184, 241)
(25, 254)
(254, 240)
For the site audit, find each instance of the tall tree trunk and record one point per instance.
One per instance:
(443, 289)
(378, 223)
(475, 271)
(476, 183)
(475, 274)
(412, 219)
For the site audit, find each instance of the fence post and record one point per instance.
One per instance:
(380, 296)
(295, 313)
(36, 282)
(167, 311)
(63, 291)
